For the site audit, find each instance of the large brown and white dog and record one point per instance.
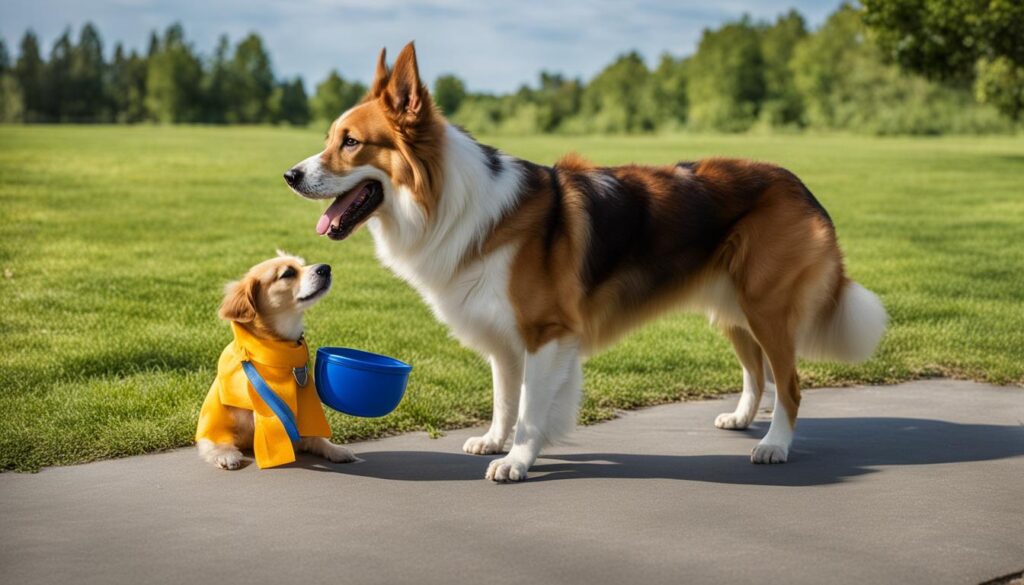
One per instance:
(536, 267)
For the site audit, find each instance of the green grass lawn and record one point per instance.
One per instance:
(115, 244)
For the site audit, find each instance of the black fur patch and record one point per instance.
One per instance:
(619, 220)
(688, 165)
(491, 154)
(555, 219)
(657, 240)
(493, 157)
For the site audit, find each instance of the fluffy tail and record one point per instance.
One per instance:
(850, 332)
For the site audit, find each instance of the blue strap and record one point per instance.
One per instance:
(280, 408)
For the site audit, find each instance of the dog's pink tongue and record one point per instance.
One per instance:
(333, 212)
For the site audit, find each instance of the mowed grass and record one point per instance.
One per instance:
(115, 244)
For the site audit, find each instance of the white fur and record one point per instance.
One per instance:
(745, 411)
(553, 379)
(774, 447)
(317, 183)
(852, 333)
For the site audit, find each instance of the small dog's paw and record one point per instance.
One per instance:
(484, 445)
(506, 469)
(228, 460)
(338, 454)
(731, 420)
(769, 453)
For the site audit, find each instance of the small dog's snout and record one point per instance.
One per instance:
(323, 270)
(292, 177)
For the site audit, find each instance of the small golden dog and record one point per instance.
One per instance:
(265, 309)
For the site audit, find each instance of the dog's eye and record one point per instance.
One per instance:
(288, 273)
(350, 142)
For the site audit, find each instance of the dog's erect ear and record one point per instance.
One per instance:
(240, 300)
(405, 94)
(380, 79)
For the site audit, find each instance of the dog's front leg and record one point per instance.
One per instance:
(547, 371)
(507, 378)
(324, 448)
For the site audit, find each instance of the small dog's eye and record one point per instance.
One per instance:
(288, 273)
(350, 142)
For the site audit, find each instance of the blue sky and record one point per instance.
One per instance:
(494, 46)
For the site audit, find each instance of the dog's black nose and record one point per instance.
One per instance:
(293, 176)
(323, 270)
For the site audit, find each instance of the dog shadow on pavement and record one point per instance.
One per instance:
(826, 450)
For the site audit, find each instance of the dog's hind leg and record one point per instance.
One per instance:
(566, 405)
(777, 340)
(752, 359)
(507, 380)
(546, 372)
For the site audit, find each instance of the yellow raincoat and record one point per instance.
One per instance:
(274, 360)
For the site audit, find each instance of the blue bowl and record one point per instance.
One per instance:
(359, 383)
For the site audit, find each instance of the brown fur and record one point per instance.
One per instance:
(778, 254)
(399, 131)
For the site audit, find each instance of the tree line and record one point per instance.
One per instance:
(891, 67)
(169, 83)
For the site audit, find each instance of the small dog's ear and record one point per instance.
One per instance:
(240, 300)
(282, 254)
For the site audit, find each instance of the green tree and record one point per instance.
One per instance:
(845, 85)
(252, 82)
(956, 41)
(558, 99)
(216, 86)
(127, 86)
(30, 73)
(11, 104)
(58, 83)
(5, 58)
(334, 95)
(782, 102)
(668, 87)
(618, 99)
(726, 81)
(86, 99)
(289, 104)
(449, 91)
(173, 77)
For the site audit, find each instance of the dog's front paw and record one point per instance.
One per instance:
(506, 469)
(769, 453)
(228, 459)
(338, 454)
(731, 420)
(484, 445)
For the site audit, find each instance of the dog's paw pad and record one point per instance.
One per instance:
(484, 445)
(769, 453)
(506, 469)
(731, 420)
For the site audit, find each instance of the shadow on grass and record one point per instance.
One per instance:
(827, 451)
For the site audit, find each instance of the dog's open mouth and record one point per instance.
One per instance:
(350, 209)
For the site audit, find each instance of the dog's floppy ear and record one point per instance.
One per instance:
(405, 95)
(380, 79)
(240, 300)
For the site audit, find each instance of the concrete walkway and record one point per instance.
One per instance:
(916, 483)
